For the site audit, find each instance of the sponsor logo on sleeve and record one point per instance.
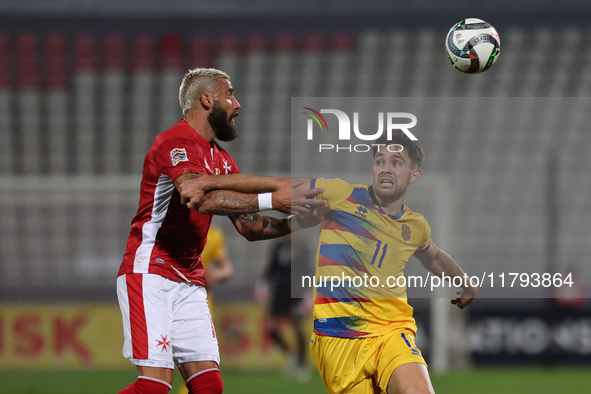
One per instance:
(177, 155)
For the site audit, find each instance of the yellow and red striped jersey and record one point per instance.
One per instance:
(359, 240)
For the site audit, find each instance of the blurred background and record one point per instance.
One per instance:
(85, 87)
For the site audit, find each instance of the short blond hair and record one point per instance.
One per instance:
(196, 82)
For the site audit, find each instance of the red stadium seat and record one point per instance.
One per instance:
(228, 44)
(342, 42)
(4, 76)
(200, 52)
(85, 46)
(56, 61)
(284, 43)
(113, 52)
(143, 56)
(26, 47)
(313, 42)
(171, 46)
(256, 43)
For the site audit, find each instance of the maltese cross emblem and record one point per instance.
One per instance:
(164, 343)
(227, 167)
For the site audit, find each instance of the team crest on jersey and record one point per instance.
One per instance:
(177, 155)
(216, 171)
(405, 232)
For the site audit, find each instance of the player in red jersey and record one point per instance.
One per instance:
(160, 285)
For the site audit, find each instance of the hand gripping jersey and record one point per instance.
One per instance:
(359, 240)
(166, 237)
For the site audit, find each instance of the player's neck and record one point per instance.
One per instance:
(201, 125)
(391, 208)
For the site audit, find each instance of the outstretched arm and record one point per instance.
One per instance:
(438, 261)
(289, 198)
(193, 187)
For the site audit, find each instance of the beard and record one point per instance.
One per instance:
(220, 123)
(389, 195)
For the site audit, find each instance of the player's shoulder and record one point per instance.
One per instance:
(174, 132)
(333, 182)
(413, 215)
(180, 141)
(336, 190)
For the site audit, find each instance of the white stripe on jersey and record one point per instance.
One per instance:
(162, 196)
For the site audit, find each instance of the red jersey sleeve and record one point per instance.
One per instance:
(177, 155)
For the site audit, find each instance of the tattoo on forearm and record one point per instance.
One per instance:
(250, 218)
(226, 202)
(257, 226)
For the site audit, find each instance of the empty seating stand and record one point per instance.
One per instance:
(89, 107)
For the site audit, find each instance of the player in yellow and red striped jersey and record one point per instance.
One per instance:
(363, 340)
(216, 261)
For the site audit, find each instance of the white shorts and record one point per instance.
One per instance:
(165, 322)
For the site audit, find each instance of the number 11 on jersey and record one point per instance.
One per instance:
(375, 255)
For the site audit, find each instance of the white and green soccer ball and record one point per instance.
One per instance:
(472, 45)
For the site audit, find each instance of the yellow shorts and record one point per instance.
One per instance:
(363, 365)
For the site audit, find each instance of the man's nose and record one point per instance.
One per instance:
(386, 169)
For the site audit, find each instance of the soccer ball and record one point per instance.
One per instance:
(472, 45)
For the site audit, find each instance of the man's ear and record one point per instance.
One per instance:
(415, 175)
(206, 101)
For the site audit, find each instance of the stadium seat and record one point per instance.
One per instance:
(106, 98)
(85, 91)
(201, 52)
(252, 97)
(170, 49)
(6, 115)
(143, 95)
(29, 101)
(113, 105)
(57, 103)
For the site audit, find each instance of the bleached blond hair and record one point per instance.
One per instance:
(195, 83)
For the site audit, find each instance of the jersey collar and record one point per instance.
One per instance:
(397, 216)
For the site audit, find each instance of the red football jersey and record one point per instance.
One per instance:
(166, 237)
